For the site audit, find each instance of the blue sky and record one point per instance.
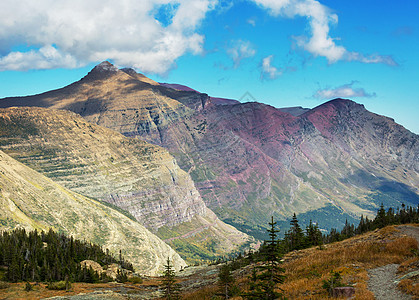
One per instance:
(283, 52)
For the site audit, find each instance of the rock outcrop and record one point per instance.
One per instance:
(33, 201)
(251, 160)
(142, 179)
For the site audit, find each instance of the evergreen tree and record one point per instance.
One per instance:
(313, 235)
(380, 220)
(295, 235)
(333, 236)
(348, 230)
(171, 289)
(362, 226)
(225, 281)
(264, 284)
(49, 257)
(121, 276)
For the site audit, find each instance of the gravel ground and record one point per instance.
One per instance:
(106, 295)
(410, 231)
(382, 283)
(382, 279)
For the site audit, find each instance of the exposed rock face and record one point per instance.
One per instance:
(120, 100)
(110, 270)
(138, 177)
(141, 178)
(33, 201)
(252, 160)
(295, 111)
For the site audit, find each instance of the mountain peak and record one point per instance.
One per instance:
(337, 104)
(102, 71)
(105, 66)
(342, 101)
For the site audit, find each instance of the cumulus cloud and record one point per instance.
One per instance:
(343, 91)
(149, 34)
(46, 57)
(320, 19)
(240, 50)
(268, 70)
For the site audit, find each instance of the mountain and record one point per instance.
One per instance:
(210, 100)
(295, 111)
(251, 160)
(33, 201)
(139, 178)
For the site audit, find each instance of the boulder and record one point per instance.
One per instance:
(95, 266)
(346, 291)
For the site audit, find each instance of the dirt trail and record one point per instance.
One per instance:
(382, 279)
(382, 283)
(410, 231)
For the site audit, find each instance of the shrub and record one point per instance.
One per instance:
(121, 277)
(334, 281)
(135, 280)
(4, 285)
(28, 286)
(59, 285)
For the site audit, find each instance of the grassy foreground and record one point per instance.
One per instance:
(306, 269)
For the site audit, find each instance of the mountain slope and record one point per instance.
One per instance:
(33, 201)
(138, 177)
(124, 101)
(251, 160)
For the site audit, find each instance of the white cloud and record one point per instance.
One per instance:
(240, 50)
(251, 22)
(371, 59)
(46, 57)
(268, 69)
(73, 33)
(320, 19)
(343, 91)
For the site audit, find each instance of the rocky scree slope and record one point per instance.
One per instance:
(250, 160)
(33, 201)
(140, 178)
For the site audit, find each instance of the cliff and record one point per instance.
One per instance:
(138, 177)
(251, 160)
(33, 201)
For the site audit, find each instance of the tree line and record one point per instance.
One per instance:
(267, 273)
(50, 256)
(383, 218)
(296, 238)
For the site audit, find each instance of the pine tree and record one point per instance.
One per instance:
(295, 235)
(348, 230)
(362, 227)
(48, 256)
(14, 272)
(225, 281)
(171, 289)
(264, 284)
(380, 220)
(313, 235)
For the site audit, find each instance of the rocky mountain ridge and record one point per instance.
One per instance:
(251, 160)
(33, 201)
(135, 176)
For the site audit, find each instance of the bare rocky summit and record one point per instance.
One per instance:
(138, 177)
(250, 160)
